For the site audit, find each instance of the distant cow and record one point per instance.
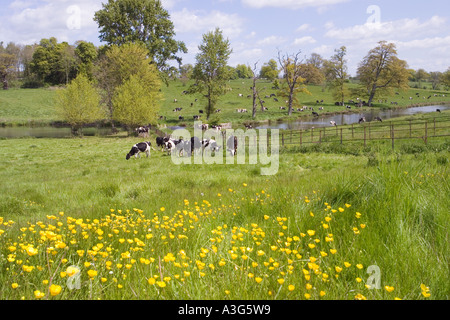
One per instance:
(210, 145)
(361, 120)
(378, 119)
(138, 148)
(315, 114)
(333, 123)
(438, 110)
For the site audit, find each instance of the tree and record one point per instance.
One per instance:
(435, 78)
(118, 65)
(421, 75)
(381, 71)
(79, 104)
(311, 74)
(445, 78)
(211, 72)
(244, 72)
(8, 61)
(140, 21)
(316, 60)
(269, 70)
(134, 104)
(54, 62)
(86, 53)
(336, 74)
(293, 83)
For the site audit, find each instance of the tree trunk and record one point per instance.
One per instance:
(254, 98)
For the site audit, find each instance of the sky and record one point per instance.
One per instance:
(259, 29)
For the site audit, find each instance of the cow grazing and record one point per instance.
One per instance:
(175, 145)
(361, 120)
(138, 148)
(438, 110)
(315, 114)
(210, 145)
(232, 144)
(333, 123)
(194, 144)
(161, 141)
(378, 119)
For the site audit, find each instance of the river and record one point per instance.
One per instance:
(321, 121)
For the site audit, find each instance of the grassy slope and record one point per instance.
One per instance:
(24, 105)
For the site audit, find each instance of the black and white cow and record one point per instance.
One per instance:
(210, 145)
(194, 144)
(161, 142)
(232, 144)
(138, 148)
(175, 145)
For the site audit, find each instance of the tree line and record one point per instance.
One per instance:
(121, 80)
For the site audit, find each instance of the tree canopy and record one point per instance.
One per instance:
(144, 21)
(381, 70)
(211, 71)
(79, 103)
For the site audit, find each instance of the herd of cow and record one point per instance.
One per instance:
(183, 147)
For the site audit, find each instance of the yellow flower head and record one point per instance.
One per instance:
(55, 290)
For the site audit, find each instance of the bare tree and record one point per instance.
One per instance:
(291, 67)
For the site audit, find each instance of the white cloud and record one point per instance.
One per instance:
(304, 40)
(189, 21)
(67, 21)
(271, 41)
(290, 4)
(304, 27)
(384, 30)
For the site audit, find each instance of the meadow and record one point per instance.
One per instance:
(337, 222)
(36, 106)
(348, 222)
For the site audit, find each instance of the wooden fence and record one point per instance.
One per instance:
(369, 131)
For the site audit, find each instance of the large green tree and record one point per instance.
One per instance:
(134, 104)
(381, 71)
(54, 62)
(336, 74)
(120, 63)
(8, 61)
(79, 104)
(211, 72)
(145, 21)
(86, 53)
(269, 70)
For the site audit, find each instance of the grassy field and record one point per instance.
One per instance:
(149, 229)
(25, 106)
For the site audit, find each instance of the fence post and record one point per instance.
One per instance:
(312, 135)
(352, 132)
(392, 136)
(426, 132)
(341, 135)
(320, 136)
(410, 129)
(369, 130)
(434, 122)
(301, 137)
(364, 136)
(282, 139)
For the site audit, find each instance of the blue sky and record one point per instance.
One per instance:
(258, 29)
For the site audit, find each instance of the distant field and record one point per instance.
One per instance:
(24, 106)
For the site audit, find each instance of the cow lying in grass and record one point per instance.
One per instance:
(138, 148)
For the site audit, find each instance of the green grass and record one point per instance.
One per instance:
(402, 197)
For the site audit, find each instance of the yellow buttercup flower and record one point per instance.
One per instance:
(291, 287)
(92, 273)
(389, 289)
(38, 294)
(55, 290)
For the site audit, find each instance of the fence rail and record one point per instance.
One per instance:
(369, 131)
